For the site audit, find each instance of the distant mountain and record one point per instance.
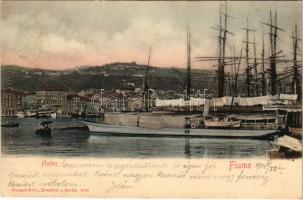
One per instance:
(109, 77)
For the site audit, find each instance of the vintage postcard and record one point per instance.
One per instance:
(151, 99)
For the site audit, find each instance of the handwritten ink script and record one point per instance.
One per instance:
(121, 176)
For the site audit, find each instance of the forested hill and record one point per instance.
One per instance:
(109, 77)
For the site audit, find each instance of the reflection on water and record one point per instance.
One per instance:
(23, 140)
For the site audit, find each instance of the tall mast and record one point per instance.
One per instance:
(219, 90)
(255, 67)
(235, 72)
(273, 40)
(296, 86)
(273, 63)
(222, 44)
(188, 74)
(234, 91)
(272, 60)
(273, 35)
(263, 66)
(146, 86)
(247, 62)
(223, 54)
(248, 67)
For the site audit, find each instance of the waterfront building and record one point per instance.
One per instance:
(53, 98)
(11, 101)
(76, 104)
(30, 101)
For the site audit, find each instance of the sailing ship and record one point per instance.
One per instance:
(172, 124)
(119, 130)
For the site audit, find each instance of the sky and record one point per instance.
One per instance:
(66, 34)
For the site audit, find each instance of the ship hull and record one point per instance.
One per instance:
(106, 129)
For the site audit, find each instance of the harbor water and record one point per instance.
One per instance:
(22, 140)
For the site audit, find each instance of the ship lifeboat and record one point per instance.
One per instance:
(225, 122)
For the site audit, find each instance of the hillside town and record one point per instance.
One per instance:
(60, 100)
